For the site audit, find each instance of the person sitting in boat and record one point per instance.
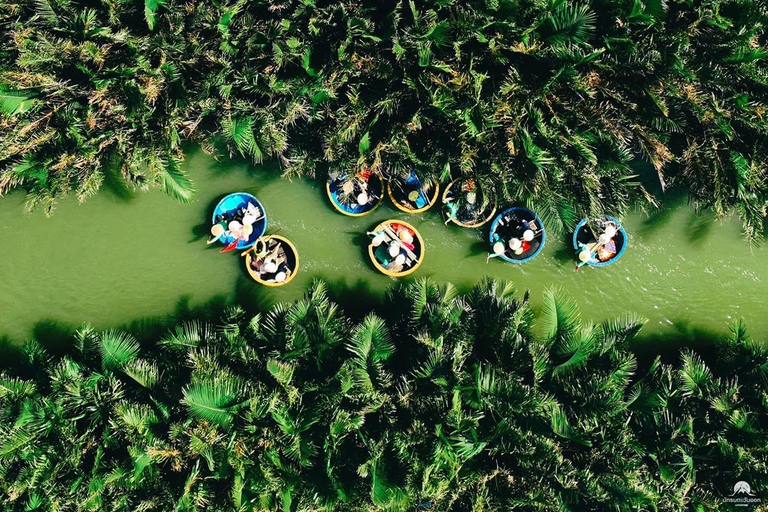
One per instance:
(452, 208)
(587, 254)
(606, 249)
(607, 244)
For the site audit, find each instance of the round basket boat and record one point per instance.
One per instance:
(235, 207)
(517, 235)
(469, 215)
(276, 263)
(413, 195)
(397, 249)
(600, 254)
(345, 193)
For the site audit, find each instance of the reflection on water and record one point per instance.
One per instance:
(124, 256)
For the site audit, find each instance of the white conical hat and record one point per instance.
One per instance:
(378, 240)
(610, 230)
(217, 230)
(528, 235)
(394, 249)
(280, 277)
(270, 267)
(584, 255)
(400, 259)
(498, 248)
(362, 198)
(515, 244)
(604, 238)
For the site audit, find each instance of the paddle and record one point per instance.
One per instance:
(231, 247)
(388, 230)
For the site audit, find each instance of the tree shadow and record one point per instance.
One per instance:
(356, 299)
(251, 296)
(116, 186)
(55, 336)
(10, 353)
(564, 252)
(153, 328)
(681, 335)
(477, 248)
(699, 226)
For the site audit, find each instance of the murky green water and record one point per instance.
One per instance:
(122, 257)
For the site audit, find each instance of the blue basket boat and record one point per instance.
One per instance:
(347, 203)
(228, 208)
(413, 195)
(509, 229)
(584, 238)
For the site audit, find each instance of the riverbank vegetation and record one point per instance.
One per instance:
(441, 402)
(548, 101)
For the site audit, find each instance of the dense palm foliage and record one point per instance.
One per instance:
(547, 100)
(447, 402)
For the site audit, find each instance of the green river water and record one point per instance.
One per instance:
(125, 258)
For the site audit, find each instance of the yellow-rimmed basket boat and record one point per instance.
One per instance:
(413, 195)
(367, 182)
(273, 261)
(465, 214)
(399, 236)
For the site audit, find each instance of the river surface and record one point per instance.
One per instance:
(124, 257)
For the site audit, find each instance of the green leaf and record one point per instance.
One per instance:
(365, 143)
(150, 10)
(306, 61)
(175, 183)
(15, 102)
(569, 23)
(117, 349)
(239, 130)
(214, 401)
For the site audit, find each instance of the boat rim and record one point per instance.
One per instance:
(618, 254)
(338, 207)
(263, 221)
(463, 224)
(402, 208)
(381, 268)
(535, 217)
(255, 276)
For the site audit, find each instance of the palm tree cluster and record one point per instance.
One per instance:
(447, 402)
(549, 101)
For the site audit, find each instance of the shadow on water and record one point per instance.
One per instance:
(251, 296)
(699, 226)
(362, 240)
(10, 353)
(116, 187)
(477, 248)
(356, 299)
(267, 172)
(564, 252)
(668, 346)
(57, 337)
(659, 218)
(203, 229)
